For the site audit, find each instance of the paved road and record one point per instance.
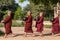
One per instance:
(19, 31)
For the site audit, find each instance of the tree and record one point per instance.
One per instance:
(8, 5)
(45, 2)
(6, 2)
(35, 9)
(18, 15)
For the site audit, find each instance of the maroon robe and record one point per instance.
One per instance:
(59, 29)
(28, 25)
(40, 24)
(55, 25)
(8, 23)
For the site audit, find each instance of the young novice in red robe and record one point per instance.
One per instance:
(28, 24)
(7, 24)
(55, 24)
(40, 23)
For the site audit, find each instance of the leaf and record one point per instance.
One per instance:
(22, 1)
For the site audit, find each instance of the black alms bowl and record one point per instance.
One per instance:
(51, 19)
(25, 18)
(36, 19)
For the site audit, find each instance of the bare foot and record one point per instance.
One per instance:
(41, 34)
(52, 35)
(33, 35)
(5, 36)
(25, 36)
(58, 33)
(12, 35)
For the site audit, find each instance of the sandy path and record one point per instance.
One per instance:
(19, 31)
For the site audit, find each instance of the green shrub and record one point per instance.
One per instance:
(46, 18)
(1, 33)
(47, 26)
(15, 24)
(1, 24)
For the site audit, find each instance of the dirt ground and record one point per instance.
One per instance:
(19, 32)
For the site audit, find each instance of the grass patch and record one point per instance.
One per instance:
(1, 33)
(1, 24)
(46, 18)
(47, 26)
(14, 24)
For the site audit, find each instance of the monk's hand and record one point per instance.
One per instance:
(2, 21)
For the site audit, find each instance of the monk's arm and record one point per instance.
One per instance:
(41, 19)
(7, 19)
(28, 20)
(55, 21)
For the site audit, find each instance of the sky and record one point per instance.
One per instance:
(22, 4)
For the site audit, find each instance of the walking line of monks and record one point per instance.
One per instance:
(28, 24)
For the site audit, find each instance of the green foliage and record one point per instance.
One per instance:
(14, 24)
(1, 33)
(9, 5)
(35, 9)
(18, 14)
(6, 2)
(45, 2)
(36, 1)
(24, 12)
(1, 24)
(22, 1)
(46, 18)
(47, 26)
(46, 5)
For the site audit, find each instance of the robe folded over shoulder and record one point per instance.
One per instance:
(55, 25)
(28, 25)
(40, 24)
(7, 24)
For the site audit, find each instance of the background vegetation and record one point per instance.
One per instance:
(35, 6)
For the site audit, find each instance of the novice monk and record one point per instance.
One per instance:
(40, 23)
(28, 24)
(55, 24)
(7, 24)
